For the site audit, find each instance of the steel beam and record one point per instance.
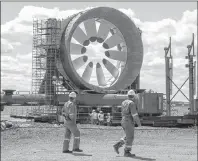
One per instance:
(196, 100)
(190, 66)
(168, 105)
(168, 68)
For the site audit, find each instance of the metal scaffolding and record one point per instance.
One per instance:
(46, 37)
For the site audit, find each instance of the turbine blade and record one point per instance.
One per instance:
(76, 49)
(111, 68)
(112, 41)
(79, 62)
(103, 31)
(79, 35)
(116, 55)
(90, 27)
(87, 73)
(100, 75)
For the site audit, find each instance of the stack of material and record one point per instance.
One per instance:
(6, 124)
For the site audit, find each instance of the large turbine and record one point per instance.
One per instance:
(101, 49)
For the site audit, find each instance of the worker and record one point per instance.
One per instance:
(189, 111)
(101, 118)
(129, 117)
(98, 110)
(108, 117)
(69, 112)
(92, 116)
(95, 117)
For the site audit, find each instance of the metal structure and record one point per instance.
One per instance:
(97, 53)
(120, 45)
(46, 36)
(169, 75)
(65, 57)
(196, 71)
(191, 66)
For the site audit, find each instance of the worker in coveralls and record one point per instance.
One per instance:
(129, 117)
(101, 118)
(69, 112)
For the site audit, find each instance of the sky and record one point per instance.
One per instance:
(157, 20)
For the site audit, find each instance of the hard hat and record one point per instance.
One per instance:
(54, 78)
(131, 93)
(72, 94)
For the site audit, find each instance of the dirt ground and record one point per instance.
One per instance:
(43, 142)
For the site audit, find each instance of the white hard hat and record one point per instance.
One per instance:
(72, 94)
(54, 77)
(131, 93)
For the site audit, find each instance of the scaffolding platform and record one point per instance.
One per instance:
(45, 51)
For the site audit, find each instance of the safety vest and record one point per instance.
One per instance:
(95, 115)
(70, 109)
(126, 112)
(108, 118)
(101, 117)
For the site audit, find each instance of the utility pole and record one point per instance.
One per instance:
(169, 74)
(190, 65)
(196, 100)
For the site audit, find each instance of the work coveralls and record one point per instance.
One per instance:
(70, 111)
(101, 118)
(128, 110)
(95, 118)
(108, 120)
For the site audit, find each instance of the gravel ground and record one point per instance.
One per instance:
(30, 141)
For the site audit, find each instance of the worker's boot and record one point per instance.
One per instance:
(66, 146)
(77, 150)
(118, 145)
(128, 154)
(76, 145)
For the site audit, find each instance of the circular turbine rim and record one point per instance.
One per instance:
(133, 43)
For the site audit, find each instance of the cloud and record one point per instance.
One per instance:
(156, 62)
(6, 47)
(155, 37)
(16, 72)
(16, 45)
(23, 22)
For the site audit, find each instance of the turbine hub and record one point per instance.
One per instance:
(95, 52)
